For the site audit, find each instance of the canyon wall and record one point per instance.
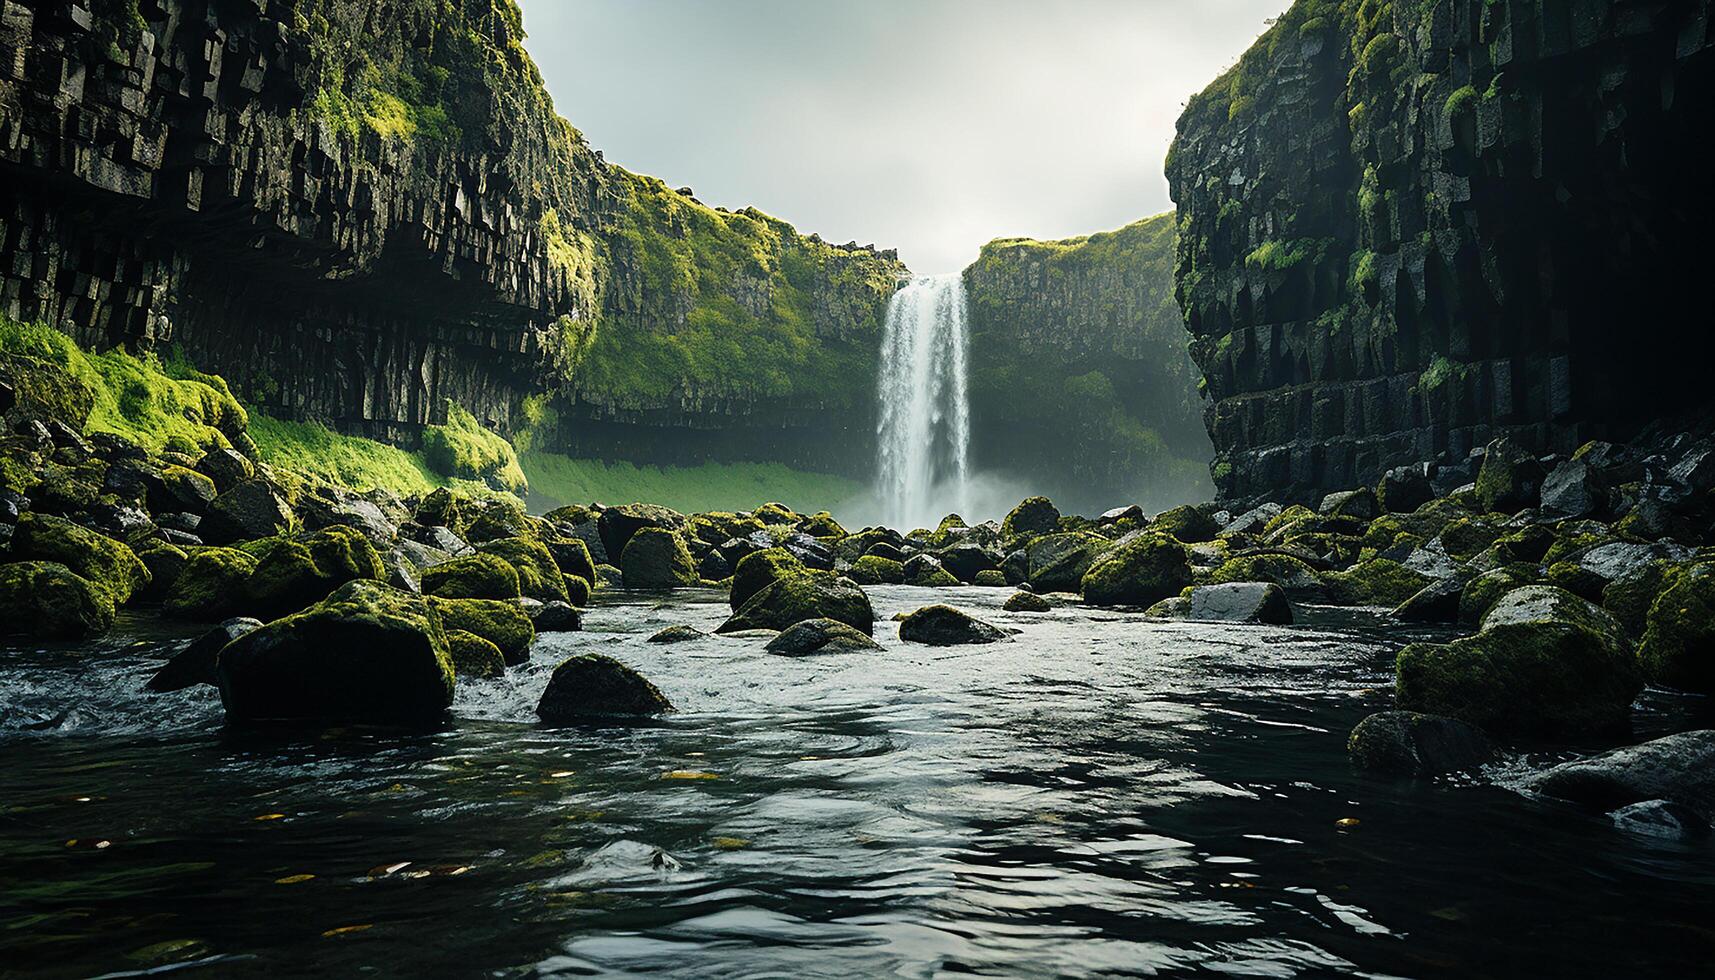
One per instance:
(360, 210)
(1080, 381)
(1408, 227)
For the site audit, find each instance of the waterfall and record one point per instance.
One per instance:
(925, 427)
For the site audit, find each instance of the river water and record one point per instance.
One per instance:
(1101, 796)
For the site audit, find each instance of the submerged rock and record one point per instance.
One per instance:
(1406, 743)
(367, 653)
(195, 663)
(1027, 602)
(1661, 818)
(657, 559)
(591, 686)
(820, 636)
(678, 634)
(758, 570)
(992, 578)
(1678, 768)
(943, 626)
(1377, 582)
(48, 600)
(1240, 602)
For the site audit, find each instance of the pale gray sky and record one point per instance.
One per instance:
(927, 125)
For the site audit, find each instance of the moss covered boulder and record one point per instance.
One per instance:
(1283, 570)
(473, 655)
(758, 570)
(944, 626)
(592, 687)
(991, 578)
(47, 600)
(1140, 572)
(367, 653)
(821, 524)
(250, 510)
(441, 508)
(927, 572)
(573, 557)
(1377, 582)
(1629, 596)
(1406, 743)
(164, 561)
(876, 570)
(616, 525)
(539, 577)
(1033, 515)
(94, 556)
(1486, 589)
(655, 558)
(1545, 663)
(494, 520)
(1028, 602)
(211, 586)
(800, 595)
(500, 622)
(1678, 648)
(472, 577)
(1187, 524)
(294, 572)
(816, 636)
(1058, 561)
(1511, 478)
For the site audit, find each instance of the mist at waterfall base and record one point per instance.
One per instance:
(924, 467)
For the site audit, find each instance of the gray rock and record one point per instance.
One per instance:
(592, 687)
(677, 634)
(1661, 818)
(820, 636)
(1437, 602)
(1254, 520)
(195, 663)
(1573, 489)
(1360, 503)
(1406, 743)
(966, 560)
(247, 511)
(1678, 768)
(1240, 602)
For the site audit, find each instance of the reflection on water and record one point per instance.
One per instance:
(1101, 796)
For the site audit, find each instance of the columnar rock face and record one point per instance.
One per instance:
(1406, 228)
(1079, 374)
(358, 211)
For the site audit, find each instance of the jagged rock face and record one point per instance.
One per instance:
(1079, 375)
(357, 212)
(1405, 229)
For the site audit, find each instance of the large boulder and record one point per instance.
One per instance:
(1033, 515)
(1139, 572)
(592, 687)
(163, 560)
(801, 595)
(925, 571)
(966, 561)
(1679, 768)
(1403, 489)
(539, 577)
(1186, 523)
(617, 524)
(250, 510)
(294, 572)
(757, 571)
(573, 556)
(1573, 489)
(820, 636)
(367, 653)
(1240, 602)
(48, 600)
(1437, 602)
(944, 626)
(472, 577)
(1544, 663)
(502, 623)
(1360, 504)
(211, 586)
(1678, 648)
(1376, 582)
(1405, 743)
(1058, 561)
(657, 559)
(96, 557)
(1511, 478)
(196, 662)
(225, 468)
(474, 656)
(876, 570)
(1284, 570)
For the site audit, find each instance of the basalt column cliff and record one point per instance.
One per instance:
(358, 211)
(1407, 228)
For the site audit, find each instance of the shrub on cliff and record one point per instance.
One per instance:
(462, 448)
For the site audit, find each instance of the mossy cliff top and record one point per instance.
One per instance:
(1408, 226)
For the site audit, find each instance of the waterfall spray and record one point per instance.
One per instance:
(925, 426)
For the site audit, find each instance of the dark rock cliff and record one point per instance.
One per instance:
(1079, 376)
(360, 210)
(1406, 228)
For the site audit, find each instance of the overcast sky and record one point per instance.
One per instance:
(932, 126)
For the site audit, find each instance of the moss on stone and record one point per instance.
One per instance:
(992, 578)
(1486, 589)
(1033, 515)
(539, 577)
(1283, 570)
(756, 571)
(211, 586)
(108, 563)
(801, 594)
(1139, 573)
(1678, 648)
(294, 572)
(876, 570)
(473, 655)
(1186, 524)
(1377, 582)
(656, 558)
(500, 622)
(1629, 597)
(48, 600)
(482, 576)
(463, 448)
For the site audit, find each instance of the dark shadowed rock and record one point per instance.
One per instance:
(1573, 489)
(557, 617)
(1033, 515)
(1437, 602)
(966, 561)
(1510, 479)
(1679, 768)
(1359, 503)
(657, 559)
(926, 571)
(226, 468)
(820, 636)
(616, 525)
(801, 595)
(943, 626)
(195, 663)
(1240, 602)
(50, 601)
(1661, 818)
(247, 511)
(1406, 743)
(593, 687)
(1403, 489)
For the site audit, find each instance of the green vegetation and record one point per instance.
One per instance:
(462, 448)
(559, 480)
(312, 450)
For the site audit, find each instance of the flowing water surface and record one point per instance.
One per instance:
(1101, 796)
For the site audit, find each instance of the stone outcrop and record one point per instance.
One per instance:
(360, 211)
(1079, 376)
(1406, 229)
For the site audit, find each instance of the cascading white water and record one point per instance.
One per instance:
(925, 428)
